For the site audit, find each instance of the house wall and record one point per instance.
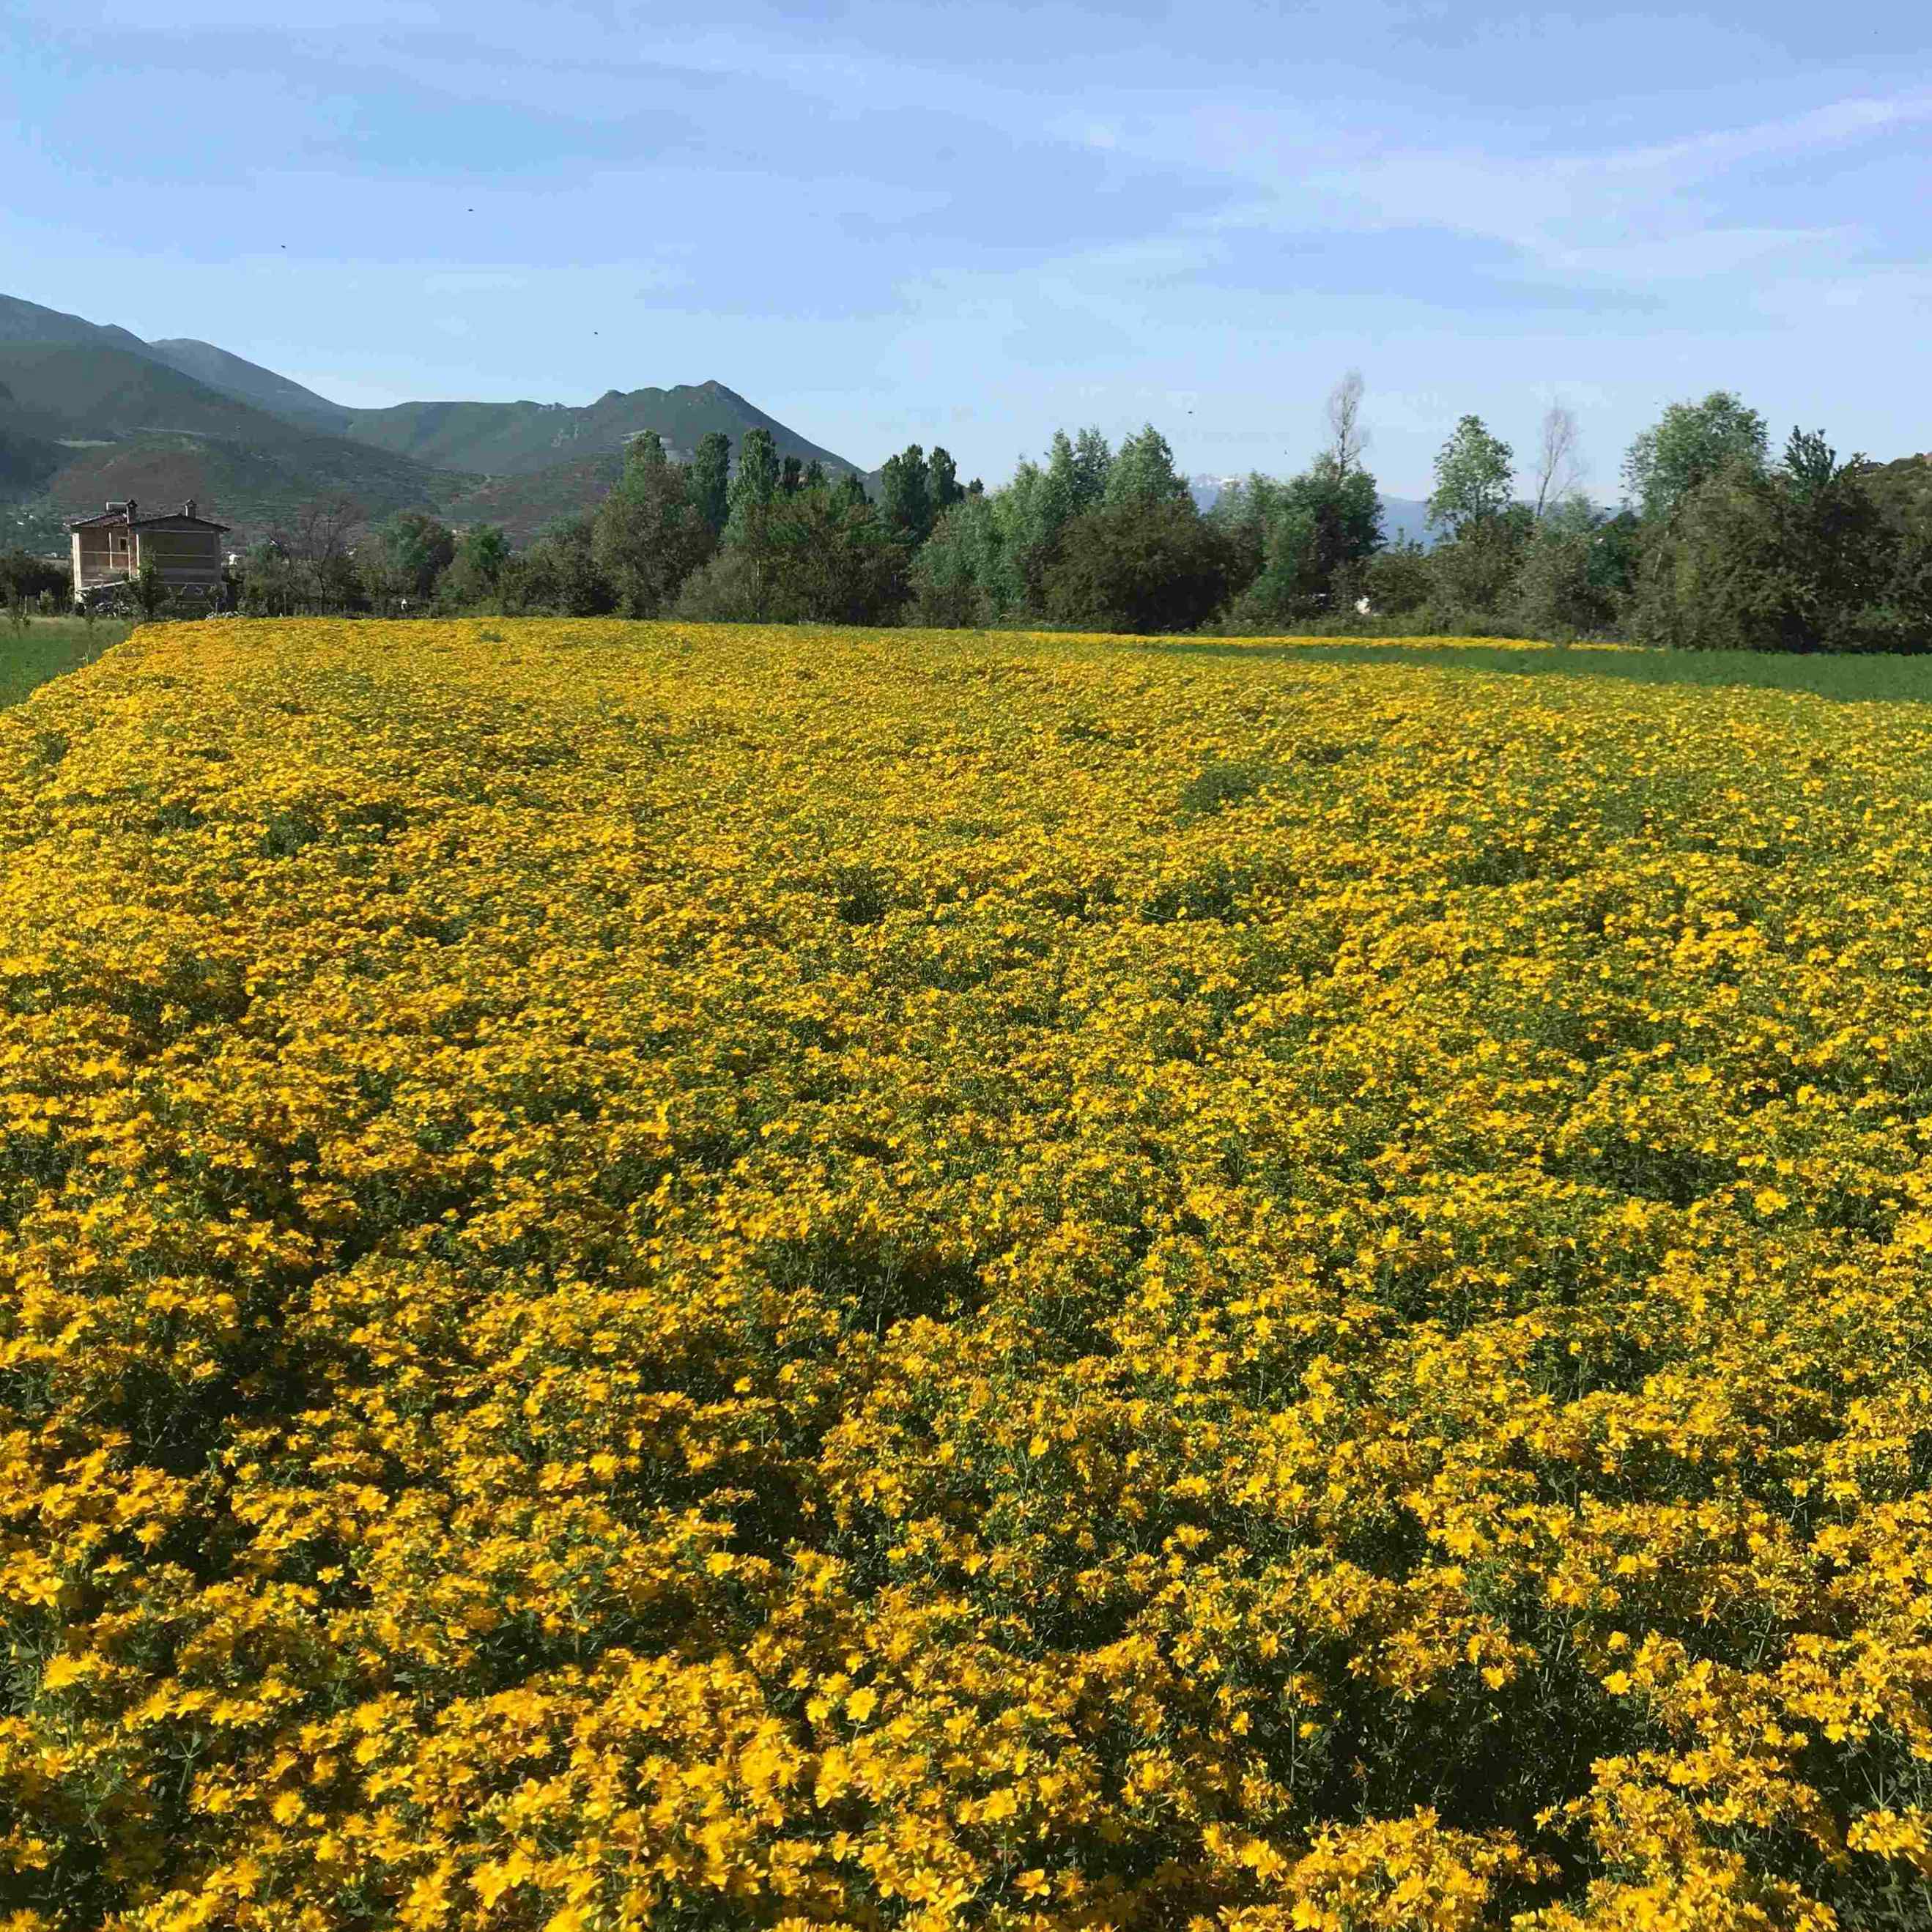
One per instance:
(185, 556)
(99, 555)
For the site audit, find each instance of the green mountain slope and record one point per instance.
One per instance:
(251, 488)
(83, 424)
(516, 439)
(84, 390)
(27, 461)
(95, 412)
(234, 375)
(522, 506)
(29, 321)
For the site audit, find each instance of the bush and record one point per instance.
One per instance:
(733, 588)
(1398, 580)
(24, 576)
(1141, 568)
(812, 561)
(837, 565)
(1803, 558)
(648, 536)
(559, 573)
(1575, 573)
(956, 578)
(1475, 573)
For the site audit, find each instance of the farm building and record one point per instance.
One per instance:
(184, 547)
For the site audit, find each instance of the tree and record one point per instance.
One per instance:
(791, 476)
(1558, 460)
(1058, 494)
(1473, 474)
(646, 451)
(710, 479)
(474, 577)
(814, 474)
(1030, 515)
(647, 535)
(749, 521)
(1811, 468)
(410, 553)
(959, 580)
(1245, 512)
(943, 482)
(1142, 565)
(1344, 508)
(1397, 580)
(1347, 437)
(905, 494)
(1576, 571)
(560, 572)
(837, 566)
(150, 592)
(1689, 443)
(1801, 558)
(848, 493)
(271, 580)
(1092, 464)
(1475, 573)
(754, 486)
(319, 543)
(1144, 473)
(1313, 534)
(825, 562)
(23, 575)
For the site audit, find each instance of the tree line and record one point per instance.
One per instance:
(1718, 544)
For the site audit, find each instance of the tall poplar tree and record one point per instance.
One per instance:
(1093, 464)
(942, 475)
(1144, 473)
(905, 494)
(710, 479)
(647, 535)
(748, 525)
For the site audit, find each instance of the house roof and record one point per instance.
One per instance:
(144, 523)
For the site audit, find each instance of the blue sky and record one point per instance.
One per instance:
(965, 224)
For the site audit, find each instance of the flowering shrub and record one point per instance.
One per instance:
(743, 1278)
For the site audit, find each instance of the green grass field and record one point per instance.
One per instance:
(1849, 680)
(47, 647)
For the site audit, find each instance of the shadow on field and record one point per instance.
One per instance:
(1847, 679)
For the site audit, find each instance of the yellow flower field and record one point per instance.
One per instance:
(734, 1278)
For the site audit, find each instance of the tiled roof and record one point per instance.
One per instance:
(141, 523)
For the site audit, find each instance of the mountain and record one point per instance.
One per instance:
(27, 461)
(82, 423)
(27, 322)
(90, 412)
(517, 439)
(95, 393)
(523, 506)
(250, 383)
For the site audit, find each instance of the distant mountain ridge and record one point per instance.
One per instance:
(83, 423)
(89, 411)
